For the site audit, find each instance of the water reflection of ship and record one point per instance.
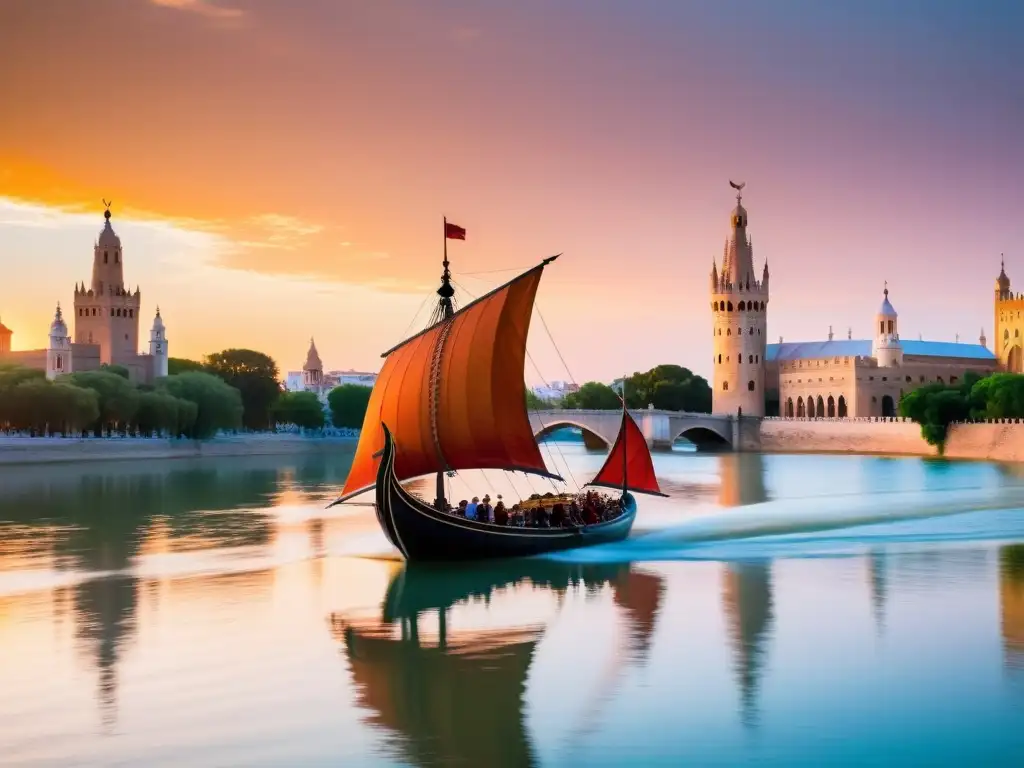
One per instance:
(747, 600)
(458, 700)
(741, 479)
(1011, 602)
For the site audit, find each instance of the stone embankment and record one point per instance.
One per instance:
(987, 441)
(44, 450)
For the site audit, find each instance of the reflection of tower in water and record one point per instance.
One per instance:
(741, 479)
(879, 583)
(1011, 602)
(747, 600)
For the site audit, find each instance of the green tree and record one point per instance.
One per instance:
(176, 365)
(935, 407)
(12, 375)
(254, 374)
(119, 370)
(303, 409)
(348, 405)
(593, 396)
(1000, 396)
(40, 406)
(670, 388)
(218, 405)
(118, 399)
(536, 403)
(160, 412)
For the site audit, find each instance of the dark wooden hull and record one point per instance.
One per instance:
(422, 533)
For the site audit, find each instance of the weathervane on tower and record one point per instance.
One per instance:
(106, 212)
(739, 189)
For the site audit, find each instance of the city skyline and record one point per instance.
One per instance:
(267, 187)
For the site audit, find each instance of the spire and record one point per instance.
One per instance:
(849, 332)
(982, 340)
(830, 333)
(714, 276)
(58, 316)
(313, 362)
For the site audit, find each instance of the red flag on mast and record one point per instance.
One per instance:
(454, 231)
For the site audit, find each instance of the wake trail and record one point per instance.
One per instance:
(799, 519)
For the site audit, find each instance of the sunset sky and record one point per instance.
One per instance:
(280, 170)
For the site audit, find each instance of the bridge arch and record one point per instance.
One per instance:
(704, 437)
(591, 439)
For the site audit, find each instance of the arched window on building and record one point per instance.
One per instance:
(789, 407)
(728, 331)
(750, 358)
(810, 407)
(729, 307)
(725, 386)
(750, 386)
(831, 407)
(888, 406)
(104, 257)
(719, 359)
(800, 412)
(59, 363)
(742, 307)
(820, 410)
(842, 407)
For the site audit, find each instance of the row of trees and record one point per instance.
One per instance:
(666, 387)
(230, 390)
(103, 402)
(936, 406)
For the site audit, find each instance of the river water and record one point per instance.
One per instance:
(775, 610)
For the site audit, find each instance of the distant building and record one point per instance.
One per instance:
(555, 390)
(313, 378)
(833, 378)
(106, 317)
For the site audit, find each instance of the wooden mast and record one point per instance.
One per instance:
(625, 454)
(445, 310)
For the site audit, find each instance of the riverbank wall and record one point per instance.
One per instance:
(48, 450)
(984, 441)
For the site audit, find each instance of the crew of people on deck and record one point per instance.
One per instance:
(547, 511)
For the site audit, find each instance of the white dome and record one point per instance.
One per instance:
(58, 327)
(887, 309)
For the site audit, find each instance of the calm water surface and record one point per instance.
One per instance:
(783, 610)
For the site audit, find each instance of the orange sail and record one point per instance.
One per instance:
(629, 464)
(454, 396)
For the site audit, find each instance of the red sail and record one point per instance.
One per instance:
(454, 395)
(629, 462)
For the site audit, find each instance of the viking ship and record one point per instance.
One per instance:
(453, 398)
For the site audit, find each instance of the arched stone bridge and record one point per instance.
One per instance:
(661, 428)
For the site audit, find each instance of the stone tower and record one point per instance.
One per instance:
(107, 313)
(58, 350)
(158, 346)
(739, 306)
(313, 370)
(1008, 326)
(886, 347)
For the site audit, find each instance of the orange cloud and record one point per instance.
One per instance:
(201, 7)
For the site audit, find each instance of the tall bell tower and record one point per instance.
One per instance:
(739, 307)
